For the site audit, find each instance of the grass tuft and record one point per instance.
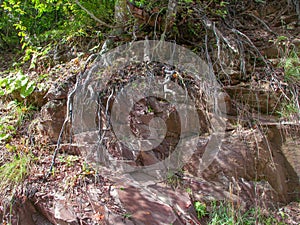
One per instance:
(14, 172)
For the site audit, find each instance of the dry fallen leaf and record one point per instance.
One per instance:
(98, 216)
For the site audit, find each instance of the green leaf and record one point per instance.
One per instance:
(200, 209)
(11, 87)
(11, 105)
(222, 4)
(10, 127)
(282, 38)
(3, 82)
(24, 81)
(4, 136)
(27, 90)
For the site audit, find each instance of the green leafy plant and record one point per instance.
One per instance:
(87, 169)
(291, 65)
(220, 214)
(189, 191)
(225, 213)
(69, 160)
(174, 179)
(139, 3)
(127, 215)
(35, 53)
(149, 109)
(218, 7)
(288, 109)
(200, 209)
(35, 22)
(288, 57)
(17, 82)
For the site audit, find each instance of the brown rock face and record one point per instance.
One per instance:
(28, 214)
(248, 165)
(53, 115)
(262, 100)
(145, 208)
(250, 160)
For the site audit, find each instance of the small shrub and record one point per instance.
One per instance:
(288, 110)
(200, 209)
(291, 65)
(17, 82)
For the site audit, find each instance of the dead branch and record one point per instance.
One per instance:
(210, 25)
(68, 114)
(251, 44)
(95, 18)
(171, 15)
(261, 21)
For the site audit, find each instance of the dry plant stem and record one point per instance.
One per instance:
(156, 22)
(170, 16)
(183, 216)
(102, 135)
(261, 21)
(251, 44)
(69, 114)
(219, 51)
(209, 25)
(95, 18)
